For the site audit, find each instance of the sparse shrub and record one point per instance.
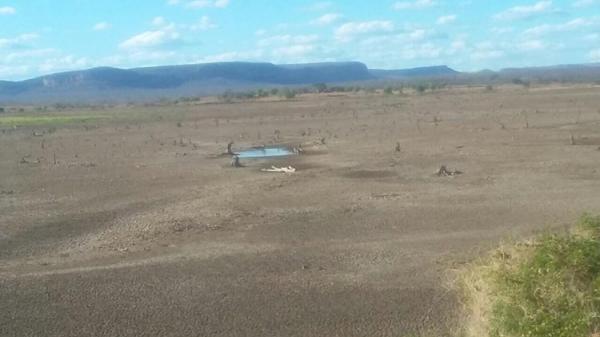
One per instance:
(262, 93)
(489, 87)
(320, 87)
(421, 88)
(226, 97)
(522, 82)
(1, 109)
(288, 93)
(388, 91)
(550, 287)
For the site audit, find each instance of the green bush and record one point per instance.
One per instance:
(287, 93)
(552, 289)
(421, 88)
(262, 93)
(320, 87)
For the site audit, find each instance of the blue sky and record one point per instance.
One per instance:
(43, 36)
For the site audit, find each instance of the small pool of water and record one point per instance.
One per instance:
(264, 152)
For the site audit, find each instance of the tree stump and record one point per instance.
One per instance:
(235, 162)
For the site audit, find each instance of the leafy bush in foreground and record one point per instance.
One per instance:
(550, 288)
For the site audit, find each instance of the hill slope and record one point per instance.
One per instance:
(106, 83)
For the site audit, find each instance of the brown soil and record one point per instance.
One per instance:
(142, 227)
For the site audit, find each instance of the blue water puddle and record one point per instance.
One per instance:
(265, 152)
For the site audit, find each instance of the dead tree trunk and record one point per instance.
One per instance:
(235, 161)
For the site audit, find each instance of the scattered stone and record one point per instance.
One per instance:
(26, 160)
(288, 169)
(182, 226)
(444, 172)
(213, 227)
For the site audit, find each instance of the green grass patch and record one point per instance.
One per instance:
(549, 287)
(45, 120)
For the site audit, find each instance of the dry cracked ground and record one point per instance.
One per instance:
(133, 223)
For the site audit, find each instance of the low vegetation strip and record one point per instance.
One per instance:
(548, 287)
(44, 120)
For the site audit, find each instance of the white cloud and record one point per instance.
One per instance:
(572, 25)
(203, 24)
(172, 2)
(592, 37)
(400, 38)
(162, 37)
(417, 34)
(166, 35)
(221, 3)
(531, 45)
(487, 54)
(442, 20)
(159, 21)
(253, 55)
(585, 3)
(417, 4)
(101, 26)
(293, 51)
(199, 4)
(6, 10)
(502, 30)
(286, 40)
(524, 12)
(320, 6)
(14, 71)
(348, 31)
(486, 51)
(594, 55)
(20, 41)
(19, 56)
(326, 19)
(68, 62)
(456, 46)
(208, 3)
(143, 58)
(419, 51)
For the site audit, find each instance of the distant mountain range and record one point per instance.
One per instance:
(107, 84)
